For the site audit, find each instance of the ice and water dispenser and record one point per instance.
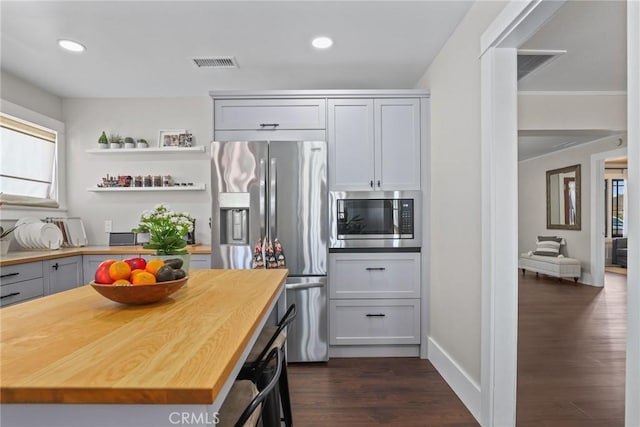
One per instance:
(234, 218)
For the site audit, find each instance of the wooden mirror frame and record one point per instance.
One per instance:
(577, 225)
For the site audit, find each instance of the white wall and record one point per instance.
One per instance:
(454, 81)
(532, 214)
(569, 111)
(22, 93)
(139, 118)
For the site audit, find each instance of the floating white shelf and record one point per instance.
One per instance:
(164, 150)
(194, 187)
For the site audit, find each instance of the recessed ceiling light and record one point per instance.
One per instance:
(71, 46)
(322, 42)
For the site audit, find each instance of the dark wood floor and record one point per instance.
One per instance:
(571, 353)
(374, 392)
(571, 356)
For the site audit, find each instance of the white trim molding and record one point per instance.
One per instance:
(462, 385)
(597, 214)
(632, 378)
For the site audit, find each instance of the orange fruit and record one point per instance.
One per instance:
(143, 278)
(119, 270)
(136, 271)
(153, 265)
(122, 282)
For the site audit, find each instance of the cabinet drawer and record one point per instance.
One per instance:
(20, 272)
(21, 291)
(374, 322)
(265, 113)
(374, 275)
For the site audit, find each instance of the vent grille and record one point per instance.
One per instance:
(216, 62)
(531, 60)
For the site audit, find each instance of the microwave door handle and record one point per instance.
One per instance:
(273, 198)
(263, 197)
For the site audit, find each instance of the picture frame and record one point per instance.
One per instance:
(170, 137)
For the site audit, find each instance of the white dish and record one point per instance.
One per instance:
(17, 235)
(31, 231)
(27, 220)
(50, 236)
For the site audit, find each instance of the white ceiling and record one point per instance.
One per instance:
(145, 48)
(594, 35)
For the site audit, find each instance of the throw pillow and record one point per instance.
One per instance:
(547, 248)
(550, 238)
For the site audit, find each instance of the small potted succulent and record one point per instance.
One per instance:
(142, 143)
(129, 142)
(115, 140)
(103, 141)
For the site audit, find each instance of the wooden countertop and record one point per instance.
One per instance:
(20, 257)
(79, 347)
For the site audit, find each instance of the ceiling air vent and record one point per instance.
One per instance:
(531, 60)
(216, 62)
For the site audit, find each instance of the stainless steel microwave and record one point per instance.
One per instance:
(375, 219)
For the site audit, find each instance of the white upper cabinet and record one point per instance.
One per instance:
(397, 140)
(374, 144)
(351, 144)
(269, 114)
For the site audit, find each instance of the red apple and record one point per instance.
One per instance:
(136, 263)
(102, 272)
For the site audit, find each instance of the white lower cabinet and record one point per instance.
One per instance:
(358, 321)
(63, 274)
(200, 261)
(21, 282)
(374, 306)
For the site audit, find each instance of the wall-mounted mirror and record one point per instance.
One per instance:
(563, 198)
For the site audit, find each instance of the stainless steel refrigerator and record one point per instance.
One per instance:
(277, 189)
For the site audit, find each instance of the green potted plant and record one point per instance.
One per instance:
(129, 142)
(103, 141)
(142, 143)
(115, 140)
(167, 232)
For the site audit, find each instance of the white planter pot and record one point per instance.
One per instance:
(129, 145)
(143, 145)
(103, 146)
(115, 145)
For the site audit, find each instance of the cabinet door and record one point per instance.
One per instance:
(351, 144)
(374, 275)
(360, 322)
(64, 273)
(90, 264)
(200, 261)
(269, 114)
(397, 141)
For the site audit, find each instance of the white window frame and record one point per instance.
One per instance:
(22, 113)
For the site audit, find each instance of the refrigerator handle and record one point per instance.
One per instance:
(263, 197)
(273, 198)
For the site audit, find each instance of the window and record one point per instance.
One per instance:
(28, 168)
(617, 207)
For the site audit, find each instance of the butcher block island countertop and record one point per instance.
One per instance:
(79, 347)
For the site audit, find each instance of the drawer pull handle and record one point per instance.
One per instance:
(376, 315)
(275, 125)
(375, 269)
(12, 294)
(55, 266)
(9, 275)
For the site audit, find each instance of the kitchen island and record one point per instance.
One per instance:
(78, 359)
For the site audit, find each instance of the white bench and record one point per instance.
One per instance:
(559, 267)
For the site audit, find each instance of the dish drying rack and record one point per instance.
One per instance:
(73, 232)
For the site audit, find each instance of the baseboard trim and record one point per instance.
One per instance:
(462, 385)
(374, 351)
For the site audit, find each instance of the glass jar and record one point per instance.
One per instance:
(157, 181)
(147, 181)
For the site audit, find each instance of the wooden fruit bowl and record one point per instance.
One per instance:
(139, 294)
